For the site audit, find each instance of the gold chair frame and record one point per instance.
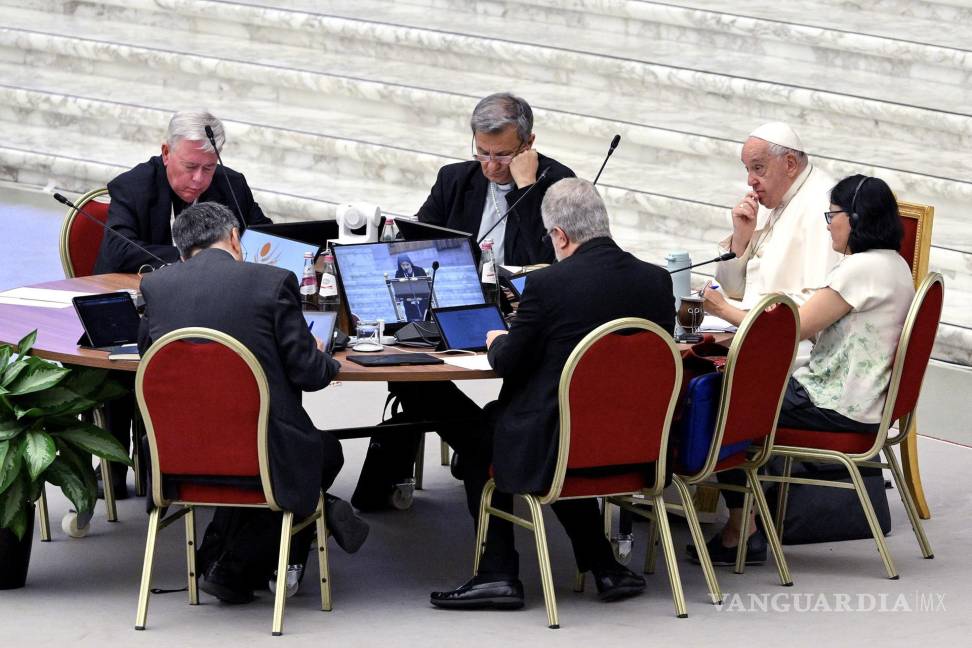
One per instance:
(536, 502)
(883, 443)
(759, 455)
(69, 217)
(925, 217)
(156, 522)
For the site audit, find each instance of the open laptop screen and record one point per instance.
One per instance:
(321, 324)
(260, 247)
(465, 327)
(109, 319)
(392, 280)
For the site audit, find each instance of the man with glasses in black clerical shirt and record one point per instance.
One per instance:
(473, 196)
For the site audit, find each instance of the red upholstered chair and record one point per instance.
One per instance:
(207, 430)
(755, 375)
(852, 449)
(80, 238)
(617, 394)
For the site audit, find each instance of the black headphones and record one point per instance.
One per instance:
(853, 206)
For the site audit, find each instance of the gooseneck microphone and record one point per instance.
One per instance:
(512, 207)
(722, 257)
(614, 145)
(64, 201)
(428, 311)
(239, 212)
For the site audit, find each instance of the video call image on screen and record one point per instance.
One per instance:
(391, 281)
(275, 250)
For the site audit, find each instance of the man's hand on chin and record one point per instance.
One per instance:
(523, 168)
(492, 335)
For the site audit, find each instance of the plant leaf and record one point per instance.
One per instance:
(39, 452)
(4, 448)
(78, 460)
(72, 485)
(9, 428)
(11, 372)
(14, 500)
(39, 377)
(19, 524)
(93, 439)
(4, 357)
(53, 400)
(10, 468)
(27, 342)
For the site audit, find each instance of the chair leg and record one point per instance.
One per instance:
(482, 523)
(444, 458)
(909, 503)
(909, 457)
(543, 558)
(762, 508)
(44, 517)
(106, 481)
(420, 462)
(137, 458)
(143, 591)
(692, 516)
(671, 560)
(871, 516)
(651, 548)
(323, 566)
(579, 581)
(193, 583)
(282, 561)
(742, 546)
(783, 492)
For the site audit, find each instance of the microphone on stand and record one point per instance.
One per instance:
(614, 145)
(507, 212)
(428, 311)
(239, 212)
(64, 201)
(723, 257)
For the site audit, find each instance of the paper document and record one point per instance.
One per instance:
(44, 295)
(476, 362)
(713, 324)
(14, 301)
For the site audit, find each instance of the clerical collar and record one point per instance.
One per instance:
(504, 187)
(178, 204)
(794, 188)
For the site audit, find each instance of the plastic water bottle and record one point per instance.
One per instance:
(390, 231)
(328, 298)
(308, 283)
(487, 272)
(681, 281)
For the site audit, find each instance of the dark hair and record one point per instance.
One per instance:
(878, 222)
(495, 113)
(199, 226)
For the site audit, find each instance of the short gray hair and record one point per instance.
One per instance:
(191, 125)
(778, 150)
(497, 111)
(199, 226)
(573, 205)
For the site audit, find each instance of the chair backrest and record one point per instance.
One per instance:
(205, 401)
(617, 394)
(916, 243)
(914, 349)
(80, 238)
(756, 372)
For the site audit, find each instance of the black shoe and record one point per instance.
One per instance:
(722, 555)
(348, 530)
(482, 593)
(226, 584)
(119, 482)
(616, 583)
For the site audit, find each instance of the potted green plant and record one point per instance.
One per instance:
(44, 439)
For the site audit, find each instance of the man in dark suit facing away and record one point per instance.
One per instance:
(258, 305)
(593, 282)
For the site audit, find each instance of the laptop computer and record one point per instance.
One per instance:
(260, 247)
(465, 327)
(321, 324)
(110, 322)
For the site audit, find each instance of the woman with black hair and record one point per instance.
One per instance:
(855, 322)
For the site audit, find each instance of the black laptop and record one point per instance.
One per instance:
(110, 322)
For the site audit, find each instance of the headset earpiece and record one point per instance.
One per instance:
(853, 206)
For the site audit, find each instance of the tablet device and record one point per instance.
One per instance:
(321, 324)
(519, 283)
(270, 249)
(465, 327)
(394, 359)
(109, 320)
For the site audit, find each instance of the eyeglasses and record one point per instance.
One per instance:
(546, 238)
(500, 159)
(829, 215)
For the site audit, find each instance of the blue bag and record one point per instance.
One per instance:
(697, 425)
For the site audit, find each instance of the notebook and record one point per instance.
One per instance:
(465, 327)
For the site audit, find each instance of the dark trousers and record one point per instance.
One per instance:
(473, 442)
(797, 411)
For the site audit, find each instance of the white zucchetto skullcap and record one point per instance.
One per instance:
(778, 133)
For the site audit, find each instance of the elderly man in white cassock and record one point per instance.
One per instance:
(778, 230)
